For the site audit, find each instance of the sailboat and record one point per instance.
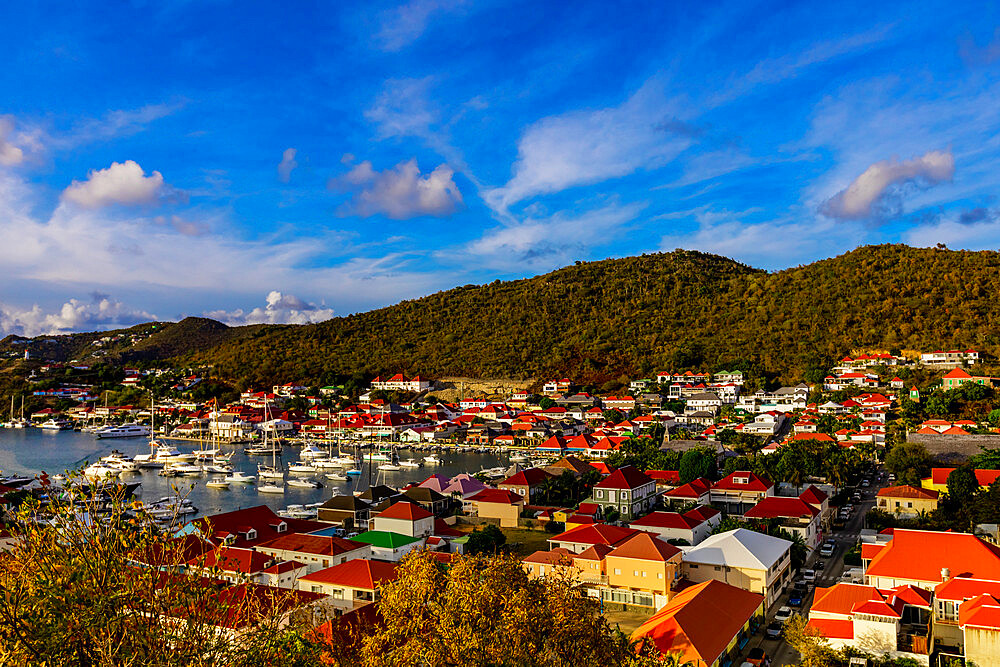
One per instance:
(22, 422)
(158, 455)
(272, 471)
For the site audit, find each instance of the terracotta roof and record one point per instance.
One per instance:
(869, 551)
(595, 552)
(958, 374)
(232, 559)
(907, 491)
(626, 477)
(358, 573)
(700, 621)
(406, 510)
(551, 557)
(963, 588)
(813, 495)
(980, 612)
(644, 546)
(261, 519)
(920, 555)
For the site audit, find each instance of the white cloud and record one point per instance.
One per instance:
(190, 256)
(585, 147)
(115, 123)
(279, 309)
(101, 312)
(401, 192)
(402, 108)
(121, 183)
(10, 155)
(540, 243)
(405, 24)
(875, 193)
(978, 229)
(286, 165)
(771, 244)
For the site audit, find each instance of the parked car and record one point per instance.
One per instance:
(809, 575)
(783, 614)
(774, 630)
(865, 483)
(826, 551)
(795, 599)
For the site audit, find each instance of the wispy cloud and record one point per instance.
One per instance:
(286, 165)
(10, 154)
(971, 229)
(973, 54)
(116, 123)
(404, 24)
(586, 147)
(876, 193)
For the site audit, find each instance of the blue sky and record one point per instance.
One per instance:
(290, 162)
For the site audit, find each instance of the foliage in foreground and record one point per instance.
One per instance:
(482, 610)
(94, 587)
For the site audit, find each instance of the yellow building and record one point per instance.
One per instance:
(495, 504)
(907, 501)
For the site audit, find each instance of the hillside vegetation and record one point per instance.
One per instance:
(598, 321)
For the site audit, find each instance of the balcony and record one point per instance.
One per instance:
(913, 638)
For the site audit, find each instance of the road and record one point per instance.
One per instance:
(780, 652)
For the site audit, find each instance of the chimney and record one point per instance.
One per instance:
(945, 574)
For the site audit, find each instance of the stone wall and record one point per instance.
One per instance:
(954, 448)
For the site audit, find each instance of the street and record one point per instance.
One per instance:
(778, 649)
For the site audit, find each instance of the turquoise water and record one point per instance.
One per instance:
(33, 450)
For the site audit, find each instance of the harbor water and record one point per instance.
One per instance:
(31, 451)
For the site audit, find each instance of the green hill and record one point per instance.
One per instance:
(598, 321)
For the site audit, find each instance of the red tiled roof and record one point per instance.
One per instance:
(595, 534)
(405, 510)
(668, 476)
(644, 546)
(775, 507)
(497, 496)
(627, 477)
(358, 573)
(813, 495)
(980, 612)
(963, 588)
(754, 482)
(693, 489)
(920, 555)
(232, 559)
(529, 477)
(833, 628)
(550, 557)
(907, 491)
(594, 552)
(665, 520)
(312, 544)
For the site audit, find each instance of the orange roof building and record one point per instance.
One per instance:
(703, 623)
(921, 557)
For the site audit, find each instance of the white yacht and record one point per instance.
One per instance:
(337, 477)
(305, 484)
(120, 461)
(123, 431)
(217, 468)
(217, 484)
(239, 477)
(302, 466)
(433, 458)
(99, 471)
(311, 452)
(327, 464)
(411, 463)
(270, 472)
(57, 425)
(390, 467)
(271, 488)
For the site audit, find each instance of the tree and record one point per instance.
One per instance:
(613, 415)
(545, 403)
(962, 485)
(695, 463)
(811, 645)
(485, 541)
(909, 461)
(486, 611)
(79, 591)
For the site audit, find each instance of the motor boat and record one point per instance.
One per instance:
(239, 477)
(305, 484)
(301, 466)
(411, 463)
(311, 452)
(217, 484)
(57, 425)
(217, 468)
(337, 477)
(352, 471)
(124, 431)
(433, 458)
(99, 471)
(390, 467)
(271, 488)
(184, 469)
(327, 464)
(270, 472)
(120, 461)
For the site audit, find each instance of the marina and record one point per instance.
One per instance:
(30, 451)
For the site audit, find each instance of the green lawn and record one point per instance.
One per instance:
(526, 542)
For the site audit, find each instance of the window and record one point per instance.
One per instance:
(635, 573)
(315, 589)
(659, 575)
(643, 573)
(717, 568)
(618, 570)
(693, 566)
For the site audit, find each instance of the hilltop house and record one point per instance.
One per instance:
(627, 490)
